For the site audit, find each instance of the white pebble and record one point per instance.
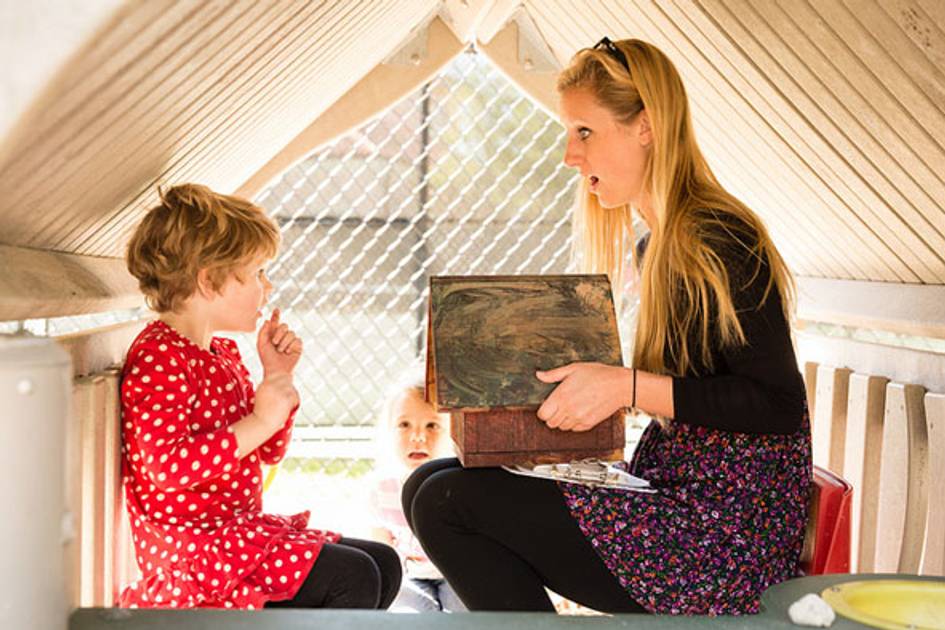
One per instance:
(811, 610)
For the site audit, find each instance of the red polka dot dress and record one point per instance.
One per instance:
(200, 536)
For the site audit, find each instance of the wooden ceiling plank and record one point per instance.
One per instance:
(234, 129)
(100, 62)
(742, 26)
(835, 219)
(920, 26)
(894, 128)
(868, 149)
(59, 147)
(224, 156)
(124, 133)
(920, 88)
(187, 109)
(757, 123)
(220, 106)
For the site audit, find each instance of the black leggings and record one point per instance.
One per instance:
(351, 573)
(499, 539)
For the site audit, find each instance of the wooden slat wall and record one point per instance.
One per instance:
(181, 91)
(838, 107)
(933, 559)
(893, 452)
(864, 441)
(101, 556)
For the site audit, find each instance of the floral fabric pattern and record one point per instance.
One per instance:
(727, 520)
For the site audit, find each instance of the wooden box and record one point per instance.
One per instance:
(486, 337)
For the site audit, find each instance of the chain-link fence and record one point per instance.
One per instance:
(462, 177)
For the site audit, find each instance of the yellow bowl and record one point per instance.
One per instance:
(890, 604)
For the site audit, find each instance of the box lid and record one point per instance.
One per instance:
(487, 335)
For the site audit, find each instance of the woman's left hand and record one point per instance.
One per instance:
(588, 393)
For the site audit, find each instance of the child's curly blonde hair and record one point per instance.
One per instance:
(195, 228)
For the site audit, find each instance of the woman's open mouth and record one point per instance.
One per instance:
(418, 455)
(593, 181)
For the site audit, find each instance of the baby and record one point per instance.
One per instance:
(412, 434)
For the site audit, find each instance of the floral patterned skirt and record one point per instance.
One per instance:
(727, 520)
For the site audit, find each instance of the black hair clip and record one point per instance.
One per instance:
(613, 51)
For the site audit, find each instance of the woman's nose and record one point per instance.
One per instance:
(418, 436)
(572, 155)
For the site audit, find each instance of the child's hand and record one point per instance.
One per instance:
(279, 348)
(276, 397)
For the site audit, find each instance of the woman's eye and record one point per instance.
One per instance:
(583, 133)
(433, 426)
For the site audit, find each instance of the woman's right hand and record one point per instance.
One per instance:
(586, 395)
(276, 397)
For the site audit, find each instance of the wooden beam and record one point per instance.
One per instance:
(39, 283)
(538, 85)
(385, 85)
(95, 351)
(913, 309)
(903, 365)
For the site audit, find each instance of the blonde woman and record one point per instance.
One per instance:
(713, 361)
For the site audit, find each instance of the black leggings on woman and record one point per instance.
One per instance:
(499, 539)
(351, 573)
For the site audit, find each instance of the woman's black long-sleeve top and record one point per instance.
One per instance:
(754, 388)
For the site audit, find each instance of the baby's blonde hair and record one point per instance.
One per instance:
(192, 229)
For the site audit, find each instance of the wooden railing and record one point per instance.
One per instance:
(888, 440)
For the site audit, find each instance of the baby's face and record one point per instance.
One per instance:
(420, 433)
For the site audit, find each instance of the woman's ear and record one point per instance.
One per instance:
(645, 131)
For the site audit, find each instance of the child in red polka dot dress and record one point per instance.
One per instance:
(195, 433)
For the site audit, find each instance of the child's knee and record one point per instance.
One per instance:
(363, 586)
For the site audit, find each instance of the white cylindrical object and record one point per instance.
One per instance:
(35, 382)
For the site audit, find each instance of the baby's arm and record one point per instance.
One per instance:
(382, 534)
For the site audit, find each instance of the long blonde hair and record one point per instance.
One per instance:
(684, 286)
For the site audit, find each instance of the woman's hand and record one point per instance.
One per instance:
(279, 348)
(588, 394)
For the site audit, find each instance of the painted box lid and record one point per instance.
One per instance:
(487, 335)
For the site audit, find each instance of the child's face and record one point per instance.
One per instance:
(239, 303)
(420, 432)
